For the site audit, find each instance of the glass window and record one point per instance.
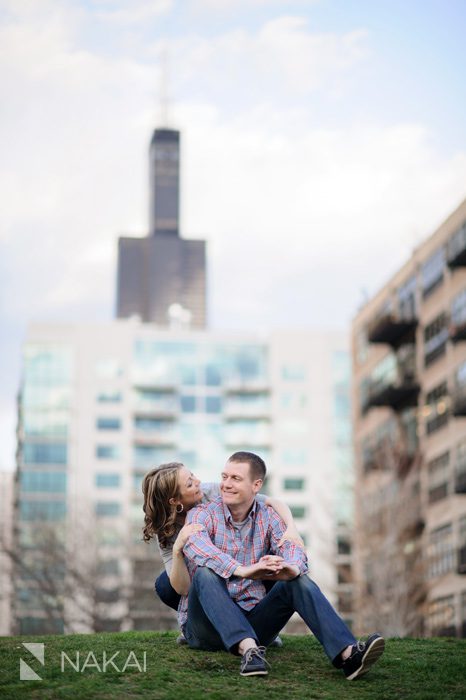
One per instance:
(213, 404)
(441, 617)
(108, 567)
(49, 482)
(457, 243)
(103, 480)
(188, 404)
(298, 511)
(47, 365)
(439, 477)
(458, 309)
(435, 339)
(45, 453)
(40, 625)
(407, 299)
(441, 551)
(42, 510)
(108, 368)
(293, 484)
(362, 346)
(460, 375)
(107, 452)
(108, 423)
(109, 397)
(293, 373)
(107, 508)
(436, 408)
(213, 375)
(148, 456)
(432, 272)
(294, 456)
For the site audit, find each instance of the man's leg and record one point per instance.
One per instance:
(303, 596)
(215, 621)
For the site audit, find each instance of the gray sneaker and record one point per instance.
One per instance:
(253, 662)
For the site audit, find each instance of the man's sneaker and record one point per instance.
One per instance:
(363, 655)
(181, 639)
(253, 662)
(277, 642)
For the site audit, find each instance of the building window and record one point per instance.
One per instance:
(158, 426)
(45, 453)
(108, 424)
(48, 482)
(213, 404)
(293, 484)
(439, 477)
(213, 376)
(42, 510)
(40, 625)
(457, 243)
(435, 339)
(441, 617)
(458, 309)
(407, 299)
(103, 480)
(294, 456)
(147, 456)
(441, 551)
(107, 452)
(188, 404)
(108, 567)
(293, 373)
(107, 508)
(298, 511)
(432, 272)
(109, 397)
(435, 409)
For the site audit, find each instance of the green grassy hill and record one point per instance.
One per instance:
(410, 668)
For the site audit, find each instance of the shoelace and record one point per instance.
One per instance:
(256, 651)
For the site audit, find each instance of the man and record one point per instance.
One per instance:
(238, 548)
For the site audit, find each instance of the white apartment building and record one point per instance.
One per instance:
(102, 404)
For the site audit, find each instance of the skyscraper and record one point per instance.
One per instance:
(162, 272)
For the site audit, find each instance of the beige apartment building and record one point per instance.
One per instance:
(409, 418)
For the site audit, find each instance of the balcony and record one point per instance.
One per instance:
(462, 559)
(246, 386)
(457, 331)
(458, 401)
(393, 329)
(398, 393)
(460, 479)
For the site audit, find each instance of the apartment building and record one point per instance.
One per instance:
(101, 405)
(409, 420)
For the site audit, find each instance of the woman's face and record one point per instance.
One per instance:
(189, 487)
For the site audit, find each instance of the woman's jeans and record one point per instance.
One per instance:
(215, 621)
(166, 592)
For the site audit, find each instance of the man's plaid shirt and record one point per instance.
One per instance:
(220, 547)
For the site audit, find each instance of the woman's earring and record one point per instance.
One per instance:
(181, 509)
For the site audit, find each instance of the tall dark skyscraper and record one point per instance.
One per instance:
(162, 270)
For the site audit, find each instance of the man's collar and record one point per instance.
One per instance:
(251, 512)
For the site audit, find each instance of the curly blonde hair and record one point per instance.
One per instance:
(159, 486)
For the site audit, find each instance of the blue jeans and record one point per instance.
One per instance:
(166, 592)
(215, 621)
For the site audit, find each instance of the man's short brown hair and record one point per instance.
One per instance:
(257, 468)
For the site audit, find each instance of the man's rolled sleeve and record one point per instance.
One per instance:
(200, 550)
(291, 553)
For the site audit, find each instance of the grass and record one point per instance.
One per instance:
(418, 669)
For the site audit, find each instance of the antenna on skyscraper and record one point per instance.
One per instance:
(164, 103)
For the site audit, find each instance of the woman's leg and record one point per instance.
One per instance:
(166, 592)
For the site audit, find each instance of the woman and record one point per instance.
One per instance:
(170, 490)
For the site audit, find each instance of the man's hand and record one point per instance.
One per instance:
(268, 565)
(291, 535)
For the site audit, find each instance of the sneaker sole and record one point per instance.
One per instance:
(373, 653)
(254, 673)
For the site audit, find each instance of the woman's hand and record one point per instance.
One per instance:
(183, 536)
(291, 535)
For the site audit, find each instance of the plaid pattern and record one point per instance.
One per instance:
(221, 548)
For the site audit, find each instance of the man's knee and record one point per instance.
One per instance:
(204, 575)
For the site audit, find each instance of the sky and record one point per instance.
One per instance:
(321, 140)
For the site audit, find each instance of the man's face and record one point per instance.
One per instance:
(238, 489)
